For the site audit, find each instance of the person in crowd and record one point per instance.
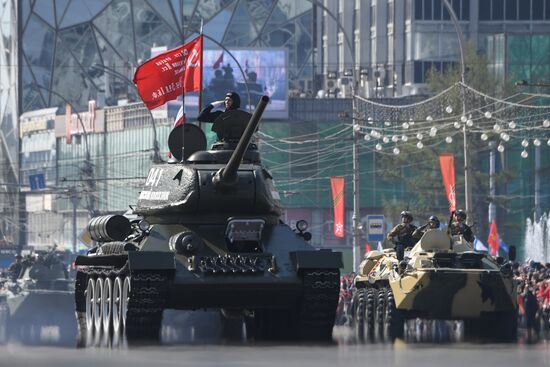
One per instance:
(433, 223)
(459, 226)
(531, 307)
(15, 268)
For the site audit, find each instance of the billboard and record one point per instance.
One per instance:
(266, 72)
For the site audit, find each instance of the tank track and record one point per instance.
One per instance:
(149, 291)
(319, 302)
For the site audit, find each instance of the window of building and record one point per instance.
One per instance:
(418, 9)
(511, 10)
(524, 10)
(465, 10)
(428, 9)
(484, 9)
(437, 9)
(421, 68)
(498, 10)
(547, 9)
(538, 9)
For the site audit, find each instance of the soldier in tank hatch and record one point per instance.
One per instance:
(433, 223)
(459, 226)
(232, 101)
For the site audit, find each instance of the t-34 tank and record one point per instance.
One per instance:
(440, 278)
(210, 237)
(36, 293)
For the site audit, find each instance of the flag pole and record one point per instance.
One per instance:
(184, 54)
(200, 89)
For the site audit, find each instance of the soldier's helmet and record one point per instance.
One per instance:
(434, 220)
(405, 214)
(460, 214)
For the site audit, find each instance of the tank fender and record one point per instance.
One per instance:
(151, 260)
(320, 259)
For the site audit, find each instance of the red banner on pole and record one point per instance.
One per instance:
(447, 163)
(337, 185)
(494, 238)
(161, 79)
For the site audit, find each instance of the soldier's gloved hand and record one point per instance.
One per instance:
(217, 104)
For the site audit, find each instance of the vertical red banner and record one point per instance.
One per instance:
(494, 238)
(447, 163)
(337, 185)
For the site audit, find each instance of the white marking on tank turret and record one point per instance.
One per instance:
(154, 176)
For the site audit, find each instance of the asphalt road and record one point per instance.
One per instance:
(343, 352)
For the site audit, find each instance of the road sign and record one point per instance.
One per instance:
(37, 181)
(375, 228)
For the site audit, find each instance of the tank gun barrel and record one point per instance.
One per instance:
(228, 174)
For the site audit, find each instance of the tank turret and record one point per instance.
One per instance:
(207, 234)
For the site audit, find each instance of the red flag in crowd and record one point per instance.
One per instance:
(367, 248)
(162, 78)
(447, 163)
(337, 185)
(493, 239)
(218, 62)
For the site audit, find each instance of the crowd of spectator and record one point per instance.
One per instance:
(533, 292)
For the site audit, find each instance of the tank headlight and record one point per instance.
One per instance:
(144, 225)
(301, 225)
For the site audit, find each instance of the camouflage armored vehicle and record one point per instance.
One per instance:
(208, 235)
(37, 292)
(440, 278)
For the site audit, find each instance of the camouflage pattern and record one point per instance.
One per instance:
(441, 277)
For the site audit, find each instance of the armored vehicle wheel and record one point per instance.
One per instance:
(117, 303)
(379, 313)
(369, 314)
(359, 315)
(98, 297)
(393, 320)
(107, 304)
(90, 304)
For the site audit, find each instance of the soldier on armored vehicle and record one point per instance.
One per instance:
(459, 226)
(433, 223)
(402, 234)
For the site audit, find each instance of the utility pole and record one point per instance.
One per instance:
(73, 197)
(492, 186)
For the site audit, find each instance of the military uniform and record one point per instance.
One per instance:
(404, 233)
(464, 230)
(419, 232)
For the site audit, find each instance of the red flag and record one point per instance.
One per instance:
(494, 240)
(337, 185)
(180, 118)
(447, 163)
(160, 79)
(367, 248)
(218, 62)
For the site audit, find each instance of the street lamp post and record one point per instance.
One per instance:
(467, 175)
(156, 149)
(356, 217)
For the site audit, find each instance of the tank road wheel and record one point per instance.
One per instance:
(359, 315)
(117, 303)
(90, 304)
(380, 306)
(393, 320)
(126, 288)
(107, 304)
(98, 296)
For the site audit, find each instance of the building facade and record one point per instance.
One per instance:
(388, 46)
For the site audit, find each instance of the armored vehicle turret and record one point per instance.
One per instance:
(440, 278)
(207, 234)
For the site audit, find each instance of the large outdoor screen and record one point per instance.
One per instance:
(266, 73)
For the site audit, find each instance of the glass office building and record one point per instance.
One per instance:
(87, 50)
